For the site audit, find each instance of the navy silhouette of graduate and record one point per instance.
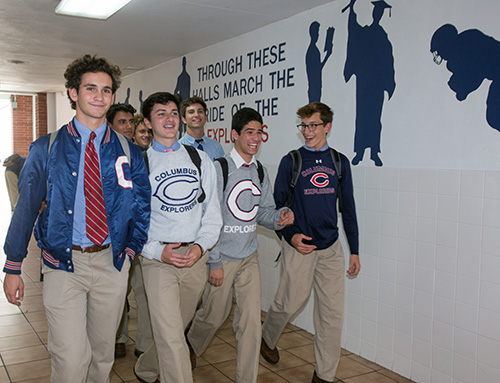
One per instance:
(471, 57)
(183, 90)
(370, 59)
(314, 65)
(128, 97)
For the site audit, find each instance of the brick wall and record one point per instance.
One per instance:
(22, 124)
(22, 121)
(41, 114)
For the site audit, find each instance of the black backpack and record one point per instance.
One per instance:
(225, 170)
(195, 158)
(297, 165)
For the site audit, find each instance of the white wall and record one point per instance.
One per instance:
(59, 103)
(426, 302)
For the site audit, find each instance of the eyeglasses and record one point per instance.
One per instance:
(311, 127)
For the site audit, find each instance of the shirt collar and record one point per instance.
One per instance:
(238, 161)
(325, 147)
(162, 148)
(84, 132)
(191, 140)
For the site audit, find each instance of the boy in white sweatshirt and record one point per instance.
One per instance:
(185, 223)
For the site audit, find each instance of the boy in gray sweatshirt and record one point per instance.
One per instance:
(184, 225)
(246, 200)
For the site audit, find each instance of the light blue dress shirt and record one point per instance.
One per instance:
(210, 146)
(79, 224)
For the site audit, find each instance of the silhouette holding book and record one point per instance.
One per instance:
(314, 65)
(471, 57)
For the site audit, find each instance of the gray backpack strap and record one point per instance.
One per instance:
(52, 138)
(125, 146)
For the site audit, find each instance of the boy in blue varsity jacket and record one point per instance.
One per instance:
(246, 200)
(312, 255)
(96, 219)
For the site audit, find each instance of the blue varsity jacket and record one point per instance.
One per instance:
(126, 189)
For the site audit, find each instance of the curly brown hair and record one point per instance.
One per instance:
(325, 113)
(93, 64)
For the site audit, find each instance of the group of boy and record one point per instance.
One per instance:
(181, 212)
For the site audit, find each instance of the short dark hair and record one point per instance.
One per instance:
(157, 98)
(325, 113)
(190, 101)
(115, 108)
(243, 117)
(92, 64)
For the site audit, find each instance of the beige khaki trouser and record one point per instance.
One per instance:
(144, 334)
(11, 183)
(173, 294)
(83, 310)
(323, 271)
(241, 281)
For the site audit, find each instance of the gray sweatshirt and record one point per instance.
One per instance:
(244, 204)
(176, 214)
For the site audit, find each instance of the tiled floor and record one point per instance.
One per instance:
(24, 356)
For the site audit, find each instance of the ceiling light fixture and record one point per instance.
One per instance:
(92, 9)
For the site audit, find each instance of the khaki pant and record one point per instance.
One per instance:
(173, 294)
(11, 182)
(323, 271)
(241, 280)
(144, 334)
(83, 311)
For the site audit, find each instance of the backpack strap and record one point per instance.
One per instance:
(297, 165)
(338, 169)
(52, 138)
(125, 146)
(225, 170)
(146, 159)
(196, 159)
(260, 171)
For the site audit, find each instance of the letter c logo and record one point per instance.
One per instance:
(120, 174)
(320, 180)
(232, 201)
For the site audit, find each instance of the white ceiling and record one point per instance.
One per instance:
(143, 34)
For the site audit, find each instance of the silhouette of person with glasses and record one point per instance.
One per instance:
(370, 59)
(471, 57)
(314, 65)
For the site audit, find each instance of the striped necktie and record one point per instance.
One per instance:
(95, 212)
(199, 142)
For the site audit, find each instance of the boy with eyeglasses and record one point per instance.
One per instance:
(312, 255)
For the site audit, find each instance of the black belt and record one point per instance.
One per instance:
(90, 249)
(182, 244)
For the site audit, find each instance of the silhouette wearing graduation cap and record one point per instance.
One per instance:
(314, 65)
(471, 57)
(183, 91)
(370, 59)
